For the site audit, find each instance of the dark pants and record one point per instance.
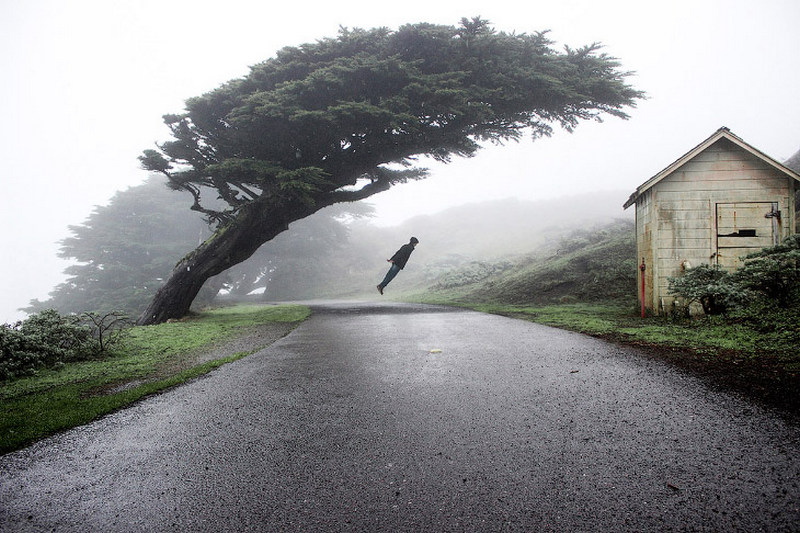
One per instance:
(393, 270)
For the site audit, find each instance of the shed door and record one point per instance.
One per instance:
(744, 228)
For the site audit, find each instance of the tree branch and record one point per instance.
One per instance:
(355, 195)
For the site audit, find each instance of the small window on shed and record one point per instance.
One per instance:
(742, 233)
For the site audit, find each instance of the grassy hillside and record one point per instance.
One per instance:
(596, 265)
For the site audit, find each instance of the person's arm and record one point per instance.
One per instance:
(395, 256)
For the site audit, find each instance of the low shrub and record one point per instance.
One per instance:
(49, 340)
(773, 274)
(708, 285)
(19, 355)
(767, 282)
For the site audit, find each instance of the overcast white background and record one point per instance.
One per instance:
(85, 83)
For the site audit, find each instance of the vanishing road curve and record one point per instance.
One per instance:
(357, 422)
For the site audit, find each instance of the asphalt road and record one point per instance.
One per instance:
(352, 423)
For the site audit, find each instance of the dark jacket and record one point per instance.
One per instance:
(400, 258)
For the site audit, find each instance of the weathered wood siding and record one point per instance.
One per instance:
(677, 218)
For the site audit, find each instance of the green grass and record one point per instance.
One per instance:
(151, 359)
(620, 323)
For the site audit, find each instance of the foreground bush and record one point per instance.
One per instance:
(768, 281)
(49, 340)
(708, 285)
(764, 295)
(773, 274)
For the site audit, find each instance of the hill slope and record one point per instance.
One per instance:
(586, 266)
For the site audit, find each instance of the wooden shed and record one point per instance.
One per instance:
(720, 201)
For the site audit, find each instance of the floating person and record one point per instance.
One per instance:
(398, 261)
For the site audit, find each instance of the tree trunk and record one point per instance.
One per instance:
(254, 225)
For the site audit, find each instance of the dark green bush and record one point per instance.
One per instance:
(45, 339)
(773, 274)
(64, 335)
(18, 355)
(767, 282)
(708, 285)
(763, 294)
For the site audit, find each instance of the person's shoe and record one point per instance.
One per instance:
(380, 289)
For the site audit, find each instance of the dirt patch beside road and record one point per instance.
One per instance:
(762, 379)
(249, 341)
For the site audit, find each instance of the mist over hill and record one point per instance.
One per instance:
(489, 233)
(339, 252)
(501, 228)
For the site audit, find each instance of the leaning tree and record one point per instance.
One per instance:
(345, 118)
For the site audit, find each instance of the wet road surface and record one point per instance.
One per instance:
(351, 423)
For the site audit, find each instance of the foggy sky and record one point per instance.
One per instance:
(85, 83)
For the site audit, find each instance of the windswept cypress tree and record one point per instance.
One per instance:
(344, 118)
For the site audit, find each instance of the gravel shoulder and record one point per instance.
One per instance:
(251, 340)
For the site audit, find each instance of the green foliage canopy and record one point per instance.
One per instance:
(322, 122)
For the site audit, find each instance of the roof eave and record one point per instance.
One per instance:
(691, 154)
